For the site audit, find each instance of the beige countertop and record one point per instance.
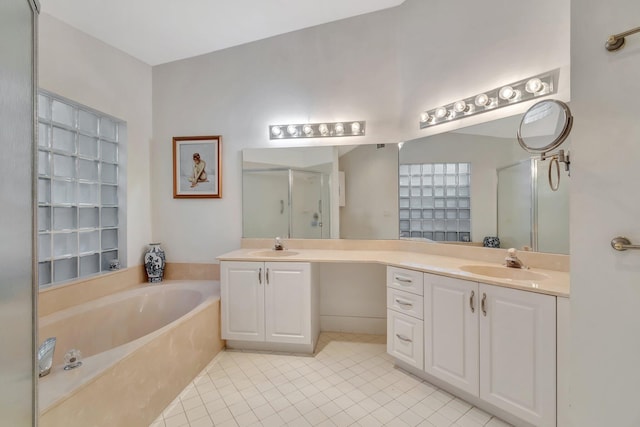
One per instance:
(555, 282)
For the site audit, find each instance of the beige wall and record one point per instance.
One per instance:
(83, 69)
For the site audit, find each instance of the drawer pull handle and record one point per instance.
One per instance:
(473, 307)
(405, 303)
(403, 338)
(484, 304)
(266, 274)
(403, 279)
(260, 276)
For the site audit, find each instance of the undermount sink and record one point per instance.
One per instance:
(273, 253)
(503, 272)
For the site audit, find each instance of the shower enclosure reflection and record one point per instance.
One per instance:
(286, 202)
(531, 215)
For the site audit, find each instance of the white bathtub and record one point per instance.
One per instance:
(139, 348)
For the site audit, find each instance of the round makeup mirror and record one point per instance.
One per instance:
(545, 126)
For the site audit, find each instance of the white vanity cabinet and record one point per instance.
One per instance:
(404, 316)
(268, 302)
(495, 344)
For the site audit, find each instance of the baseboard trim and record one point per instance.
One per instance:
(354, 324)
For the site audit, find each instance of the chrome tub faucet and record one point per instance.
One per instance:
(45, 356)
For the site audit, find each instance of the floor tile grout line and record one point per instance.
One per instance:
(347, 364)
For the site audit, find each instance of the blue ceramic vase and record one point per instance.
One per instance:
(491, 242)
(154, 262)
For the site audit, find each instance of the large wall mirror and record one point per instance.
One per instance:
(459, 186)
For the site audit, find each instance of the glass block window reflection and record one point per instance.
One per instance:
(79, 170)
(435, 201)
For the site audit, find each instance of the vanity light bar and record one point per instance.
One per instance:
(317, 130)
(513, 93)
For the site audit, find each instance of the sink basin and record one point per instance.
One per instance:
(273, 253)
(503, 272)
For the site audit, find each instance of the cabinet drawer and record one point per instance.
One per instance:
(405, 280)
(405, 340)
(405, 302)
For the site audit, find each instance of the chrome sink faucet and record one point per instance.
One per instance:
(278, 246)
(45, 356)
(512, 260)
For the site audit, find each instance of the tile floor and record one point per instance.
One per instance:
(350, 381)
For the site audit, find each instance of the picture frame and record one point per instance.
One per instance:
(197, 167)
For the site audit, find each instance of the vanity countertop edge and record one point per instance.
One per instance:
(557, 283)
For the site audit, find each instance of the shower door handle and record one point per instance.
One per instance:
(281, 206)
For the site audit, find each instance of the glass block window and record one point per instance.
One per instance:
(79, 176)
(435, 201)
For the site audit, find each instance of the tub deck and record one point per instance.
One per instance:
(131, 383)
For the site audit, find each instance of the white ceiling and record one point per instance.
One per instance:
(159, 31)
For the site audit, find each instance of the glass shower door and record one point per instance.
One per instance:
(265, 200)
(18, 29)
(307, 205)
(516, 205)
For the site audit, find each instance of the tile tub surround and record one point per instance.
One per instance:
(71, 294)
(349, 381)
(441, 259)
(59, 297)
(191, 271)
(131, 383)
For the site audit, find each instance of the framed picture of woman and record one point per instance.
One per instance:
(197, 172)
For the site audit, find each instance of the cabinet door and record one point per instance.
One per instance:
(405, 338)
(518, 353)
(451, 331)
(288, 302)
(242, 300)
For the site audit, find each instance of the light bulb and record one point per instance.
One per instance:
(276, 131)
(355, 127)
(323, 129)
(440, 113)
(482, 100)
(339, 128)
(508, 93)
(292, 130)
(425, 117)
(536, 86)
(307, 129)
(533, 85)
(459, 106)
